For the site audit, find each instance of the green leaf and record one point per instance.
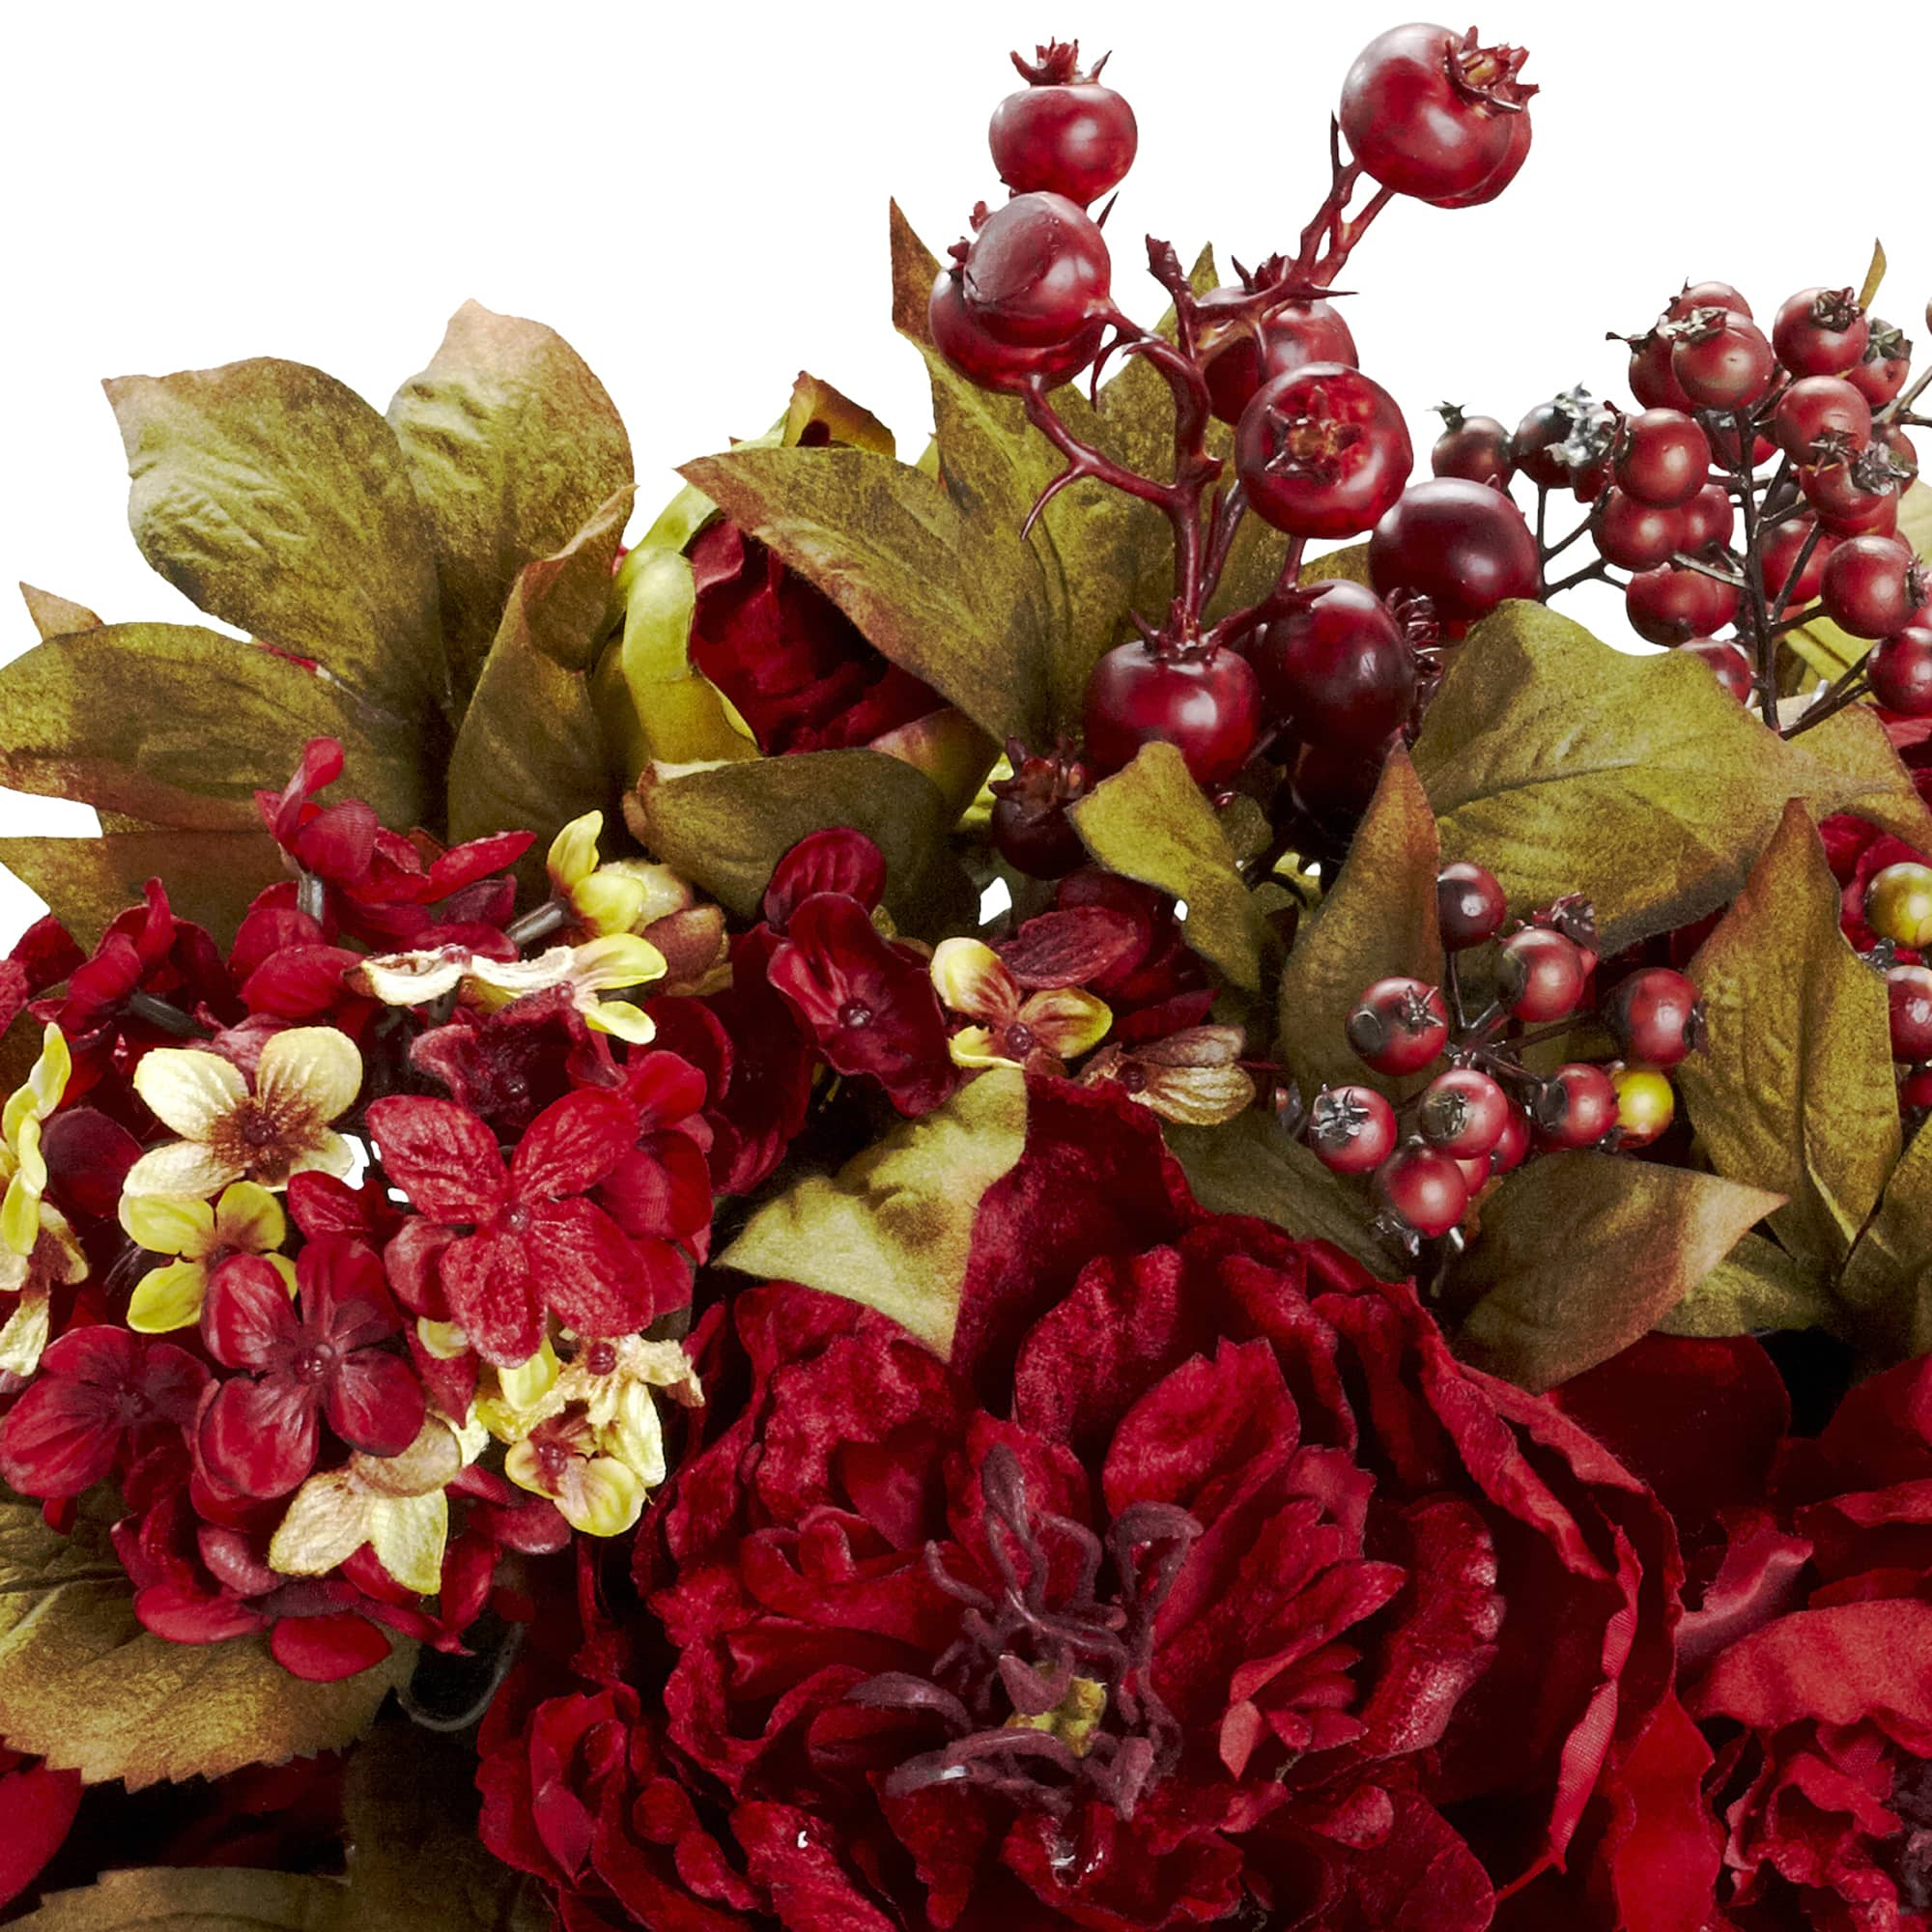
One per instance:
(1580, 1254)
(513, 447)
(84, 1684)
(1378, 918)
(56, 616)
(170, 1898)
(894, 1227)
(1248, 1166)
(726, 827)
(953, 599)
(1794, 1089)
(1854, 744)
(1567, 767)
(1887, 1285)
(1756, 1286)
(1151, 822)
(277, 499)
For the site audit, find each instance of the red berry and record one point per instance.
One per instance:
(1915, 1091)
(1782, 547)
(1634, 535)
(1330, 789)
(1399, 1026)
(1350, 1128)
(1664, 458)
(1321, 451)
(1062, 134)
(1908, 991)
(1207, 706)
(1037, 273)
(1672, 606)
(1821, 410)
(1720, 358)
(1423, 1189)
(1576, 1107)
(1820, 332)
(1872, 585)
(1565, 444)
(1461, 545)
(1470, 906)
(1709, 519)
(1693, 296)
(1428, 112)
(1475, 448)
(1650, 379)
(1655, 1018)
(1844, 505)
(1508, 1154)
(992, 364)
(1288, 339)
(1337, 664)
(1901, 668)
(1500, 176)
(1541, 974)
(1886, 363)
(1029, 822)
(1729, 664)
(1462, 1112)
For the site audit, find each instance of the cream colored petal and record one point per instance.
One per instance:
(410, 978)
(515, 976)
(601, 1496)
(190, 1091)
(573, 852)
(332, 1155)
(21, 1210)
(609, 902)
(1198, 1097)
(525, 1385)
(434, 1457)
(1067, 1021)
(621, 1021)
(972, 979)
(409, 1534)
(169, 1224)
(664, 892)
(443, 1341)
(973, 1046)
(318, 1066)
(629, 1430)
(616, 961)
(180, 1167)
(167, 1297)
(23, 1337)
(248, 1217)
(327, 1523)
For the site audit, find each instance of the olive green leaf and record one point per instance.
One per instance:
(82, 1684)
(1854, 744)
(1822, 645)
(726, 826)
(1794, 1089)
(56, 616)
(1887, 1285)
(894, 1227)
(172, 1898)
(1756, 1286)
(513, 447)
(1151, 822)
(1567, 767)
(1249, 1166)
(1580, 1254)
(1376, 919)
(277, 499)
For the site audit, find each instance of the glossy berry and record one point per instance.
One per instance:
(1901, 668)
(1872, 587)
(1655, 1018)
(1782, 547)
(1664, 458)
(1821, 416)
(1908, 991)
(1646, 1105)
(1576, 1107)
(1672, 606)
(1651, 381)
(1915, 1091)
(1470, 906)
(1029, 822)
(1709, 519)
(1729, 665)
(1330, 789)
(1498, 177)
(1720, 359)
(1037, 273)
(1884, 368)
(1062, 134)
(1256, 352)
(1207, 706)
(1427, 112)
(1566, 444)
(1399, 1026)
(1475, 448)
(1634, 535)
(1541, 974)
(1425, 1190)
(1350, 1128)
(1820, 332)
(992, 364)
(1898, 904)
(1321, 451)
(1509, 1152)
(1464, 546)
(1337, 664)
(1462, 1112)
(1846, 505)
(1693, 296)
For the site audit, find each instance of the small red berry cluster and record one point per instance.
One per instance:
(1486, 1112)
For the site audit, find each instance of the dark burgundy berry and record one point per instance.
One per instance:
(1470, 906)
(1729, 665)
(1207, 705)
(1062, 134)
(1255, 352)
(1884, 368)
(1709, 519)
(1337, 664)
(1350, 1128)
(1672, 606)
(1853, 498)
(1821, 332)
(1566, 444)
(1399, 1026)
(1782, 548)
(1462, 1112)
(1464, 546)
(1498, 177)
(984, 359)
(1664, 458)
(1915, 1091)
(1037, 273)
(1321, 451)
(1820, 416)
(1872, 585)
(1650, 379)
(1424, 1189)
(1693, 296)
(1720, 358)
(1655, 1017)
(1908, 991)
(1634, 535)
(1576, 1107)
(1901, 668)
(1330, 789)
(1541, 974)
(1429, 112)
(1507, 1155)
(1475, 448)
(1030, 825)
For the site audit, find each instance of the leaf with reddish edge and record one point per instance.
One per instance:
(1378, 918)
(441, 1155)
(1580, 1254)
(1793, 1089)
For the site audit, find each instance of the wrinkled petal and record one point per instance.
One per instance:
(495, 1294)
(179, 1167)
(260, 1437)
(318, 1066)
(1065, 1022)
(441, 1156)
(592, 1275)
(246, 1319)
(189, 1091)
(973, 979)
(572, 1145)
(374, 1403)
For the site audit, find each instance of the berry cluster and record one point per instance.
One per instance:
(1898, 909)
(1485, 1113)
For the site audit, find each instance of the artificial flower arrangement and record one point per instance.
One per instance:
(971, 1194)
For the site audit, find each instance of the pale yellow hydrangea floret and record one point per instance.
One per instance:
(305, 1079)
(247, 1220)
(622, 895)
(971, 978)
(23, 1165)
(616, 962)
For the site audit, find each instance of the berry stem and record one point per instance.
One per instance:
(1764, 639)
(1847, 688)
(1599, 569)
(1796, 570)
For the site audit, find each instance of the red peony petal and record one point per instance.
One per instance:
(260, 1437)
(441, 1156)
(326, 1649)
(495, 1294)
(374, 1403)
(572, 1145)
(1833, 1666)
(788, 1854)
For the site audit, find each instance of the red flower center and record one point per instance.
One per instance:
(310, 1364)
(855, 1014)
(1020, 1040)
(601, 1358)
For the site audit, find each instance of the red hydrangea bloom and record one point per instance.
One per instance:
(1156, 985)
(39, 1804)
(509, 1064)
(320, 1355)
(1202, 1582)
(43, 957)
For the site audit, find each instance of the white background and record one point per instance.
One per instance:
(695, 195)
